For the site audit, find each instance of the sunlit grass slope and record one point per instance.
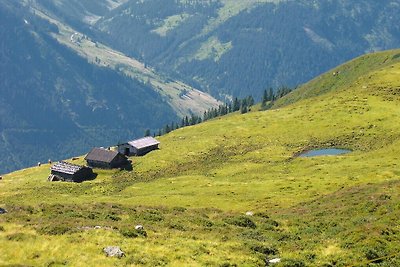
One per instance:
(192, 195)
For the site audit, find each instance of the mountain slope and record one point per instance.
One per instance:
(356, 73)
(183, 98)
(51, 97)
(237, 48)
(193, 194)
(58, 86)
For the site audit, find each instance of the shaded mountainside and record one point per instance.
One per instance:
(231, 191)
(229, 47)
(54, 103)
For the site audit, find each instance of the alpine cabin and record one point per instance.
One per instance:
(138, 147)
(106, 159)
(68, 172)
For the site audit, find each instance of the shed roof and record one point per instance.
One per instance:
(144, 142)
(65, 167)
(101, 154)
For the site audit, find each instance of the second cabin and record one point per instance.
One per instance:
(106, 159)
(68, 172)
(139, 147)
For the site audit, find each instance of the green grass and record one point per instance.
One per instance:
(193, 193)
(171, 23)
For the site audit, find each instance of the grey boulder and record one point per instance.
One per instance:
(114, 251)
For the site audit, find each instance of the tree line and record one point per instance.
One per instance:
(243, 106)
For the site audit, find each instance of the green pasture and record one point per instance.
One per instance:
(193, 193)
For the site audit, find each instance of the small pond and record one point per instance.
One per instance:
(324, 152)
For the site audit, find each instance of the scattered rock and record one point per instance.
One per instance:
(97, 227)
(139, 227)
(249, 213)
(2, 211)
(1, 177)
(276, 260)
(114, 251)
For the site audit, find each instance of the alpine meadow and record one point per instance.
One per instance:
(230, 182)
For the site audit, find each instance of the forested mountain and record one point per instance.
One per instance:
(93, 72)
(230, 47)
(54, 104)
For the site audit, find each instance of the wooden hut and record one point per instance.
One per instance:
(106, 159)
(64, 171)
(138, 147)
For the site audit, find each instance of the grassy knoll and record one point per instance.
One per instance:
(192, 194)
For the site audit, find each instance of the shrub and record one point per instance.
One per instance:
(133, 233)
(56, 230)
(241, 221)
(153, 215)
(2, 228)
(18, 237)
(253, 234)
(270, 224)
(293, 263)
(179, 209)
(177, 226)
(112, 217)
(264, 249)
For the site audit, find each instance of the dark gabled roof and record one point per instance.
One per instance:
(144, 142)
(65, 167)
(101, 154)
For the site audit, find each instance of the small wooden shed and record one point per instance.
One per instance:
(68, 172)
(138, 147)
(106, 159)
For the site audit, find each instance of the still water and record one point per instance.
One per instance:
(324, 152)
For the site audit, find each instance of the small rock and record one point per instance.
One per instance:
(97, 227)
(2, 211)
(276, 260)
(1, 177)
(114, 251)
(249, 213)
(139, 227)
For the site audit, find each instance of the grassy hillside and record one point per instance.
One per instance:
(192, 195)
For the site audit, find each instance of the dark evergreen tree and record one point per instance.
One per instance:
(205, 116)
(236, 104)
(271, 96)
(264, 100)
(147, 132)
(243, 108)
(250, 101)
(167, 129)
